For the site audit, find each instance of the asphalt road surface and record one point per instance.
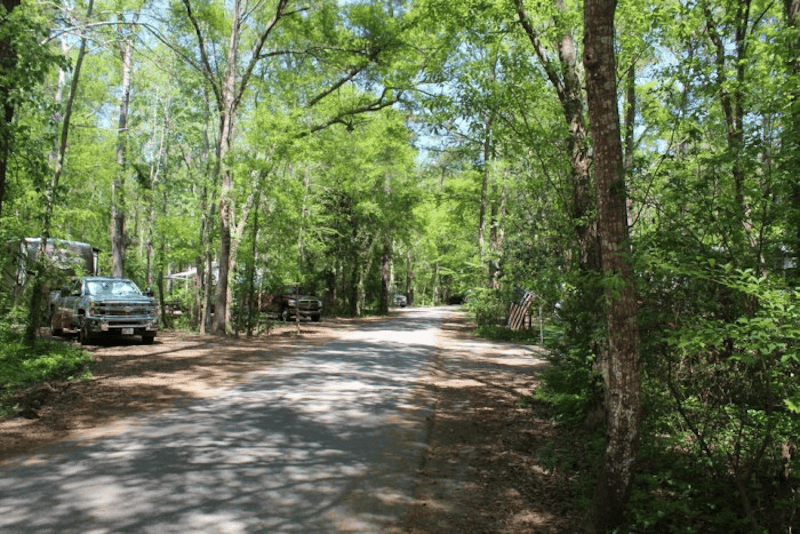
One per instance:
(328, 441)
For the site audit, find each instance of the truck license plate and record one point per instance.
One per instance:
(127, 331)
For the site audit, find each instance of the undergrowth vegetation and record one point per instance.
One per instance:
(721, 393)
(23, 365)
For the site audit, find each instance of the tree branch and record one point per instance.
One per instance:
(371, 57)
(539, 48)
(340, 118)
(205, 69)
(248, 72)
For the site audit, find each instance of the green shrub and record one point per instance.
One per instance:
(22, 365)
(720, 385)
(487, 307)
(572, 385)
(503, 333)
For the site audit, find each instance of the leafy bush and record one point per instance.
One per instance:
(487, 307)
(572, 385)
(21, 364)
(720, 386)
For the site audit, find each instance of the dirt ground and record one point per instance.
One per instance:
(496, 463)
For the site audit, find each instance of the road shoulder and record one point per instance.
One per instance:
(493, 460)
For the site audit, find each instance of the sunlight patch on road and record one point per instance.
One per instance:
(455, 383)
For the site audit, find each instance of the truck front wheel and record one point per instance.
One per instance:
(55, 330)
(84, 336)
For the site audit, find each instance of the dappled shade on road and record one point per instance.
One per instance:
(328, 441)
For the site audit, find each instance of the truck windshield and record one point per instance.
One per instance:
(113, 287)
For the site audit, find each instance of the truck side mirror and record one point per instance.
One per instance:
(149, 292)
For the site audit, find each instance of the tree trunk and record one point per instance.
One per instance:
(253, 301)
(410, 276)
(236, 233)
(8, 61)
(355, 266)
(791, 137)
(155, 179)
(630, 126)
(386, 274)
(203, 265)
(37, 298)
(565, 79)
(732, 99)
(621, 370)
(565, 76)
(118, 185)
(386, 256)
(497, 232)
(219, 324)
(483, 203)
(226, 122)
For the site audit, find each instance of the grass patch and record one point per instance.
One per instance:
(503, 333)
(22, 365)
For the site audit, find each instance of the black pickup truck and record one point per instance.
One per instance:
(293, 302)
(95, 306)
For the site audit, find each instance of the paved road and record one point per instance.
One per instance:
(329, 441)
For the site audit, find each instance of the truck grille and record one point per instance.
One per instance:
(123, 309)
(308, 304)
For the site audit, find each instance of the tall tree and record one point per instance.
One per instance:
(57, 159)
(564, 75)
(8, 63)
(25, 61)
(791, 139)
(731, 89)
(125, 49)
(621, 370)
(228, 81)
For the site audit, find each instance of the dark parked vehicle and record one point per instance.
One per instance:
(95, 306)
(292, 302)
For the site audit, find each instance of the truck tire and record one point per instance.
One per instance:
(84, 336)
(316, 317)
(54, 330)
(148, 339)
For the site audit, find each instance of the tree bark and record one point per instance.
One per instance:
(8, 61)
(568, 87)
(410, 276)
(791, 137)
(497, 232)
(386, 274)
(57, 158)
(621, 370)
(118, 185)
(228, 103)
(386, 256)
